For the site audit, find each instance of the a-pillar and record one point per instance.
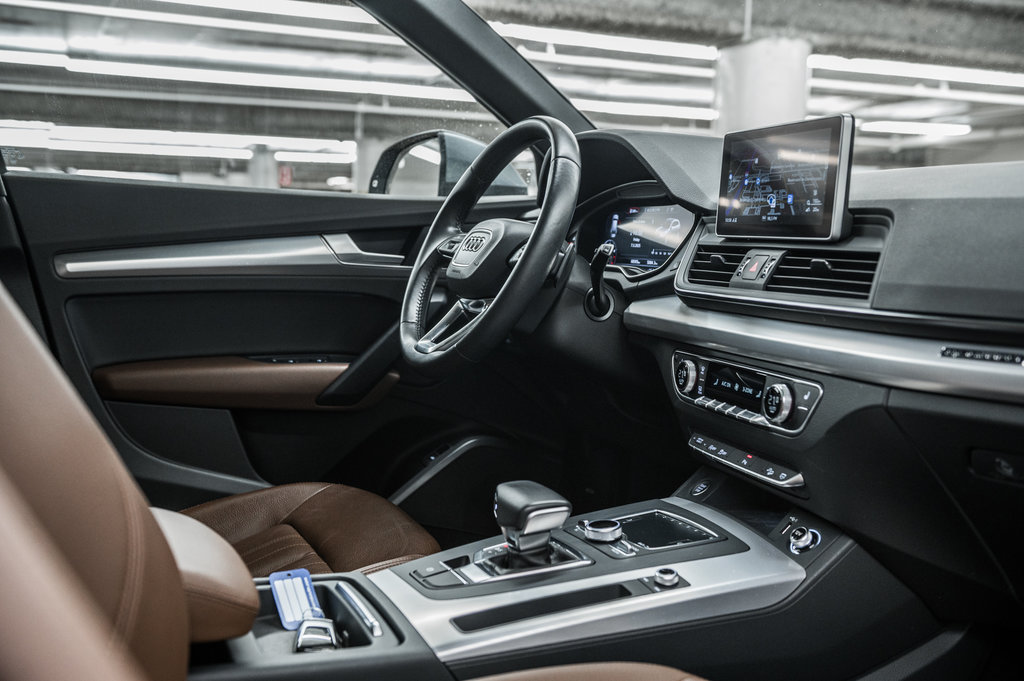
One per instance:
(760, 83)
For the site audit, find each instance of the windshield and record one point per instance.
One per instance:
(929, 83)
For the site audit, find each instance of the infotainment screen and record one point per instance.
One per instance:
(645, 236)
(787, 181)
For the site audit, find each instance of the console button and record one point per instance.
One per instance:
(802, 539)
(666, 577)
(700, 488)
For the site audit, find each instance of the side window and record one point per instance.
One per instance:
(274, 94)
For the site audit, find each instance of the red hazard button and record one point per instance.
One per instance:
(753, 266)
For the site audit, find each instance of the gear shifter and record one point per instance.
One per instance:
(527, 512)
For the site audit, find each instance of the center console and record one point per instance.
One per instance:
(673, 561)
(707, 579)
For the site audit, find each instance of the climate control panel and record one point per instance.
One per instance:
(764, 399)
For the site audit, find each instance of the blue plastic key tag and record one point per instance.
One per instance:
(295, 598)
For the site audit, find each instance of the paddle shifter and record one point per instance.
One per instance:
(527, 512)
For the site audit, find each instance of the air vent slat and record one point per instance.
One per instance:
(822, 272)
(714, 264)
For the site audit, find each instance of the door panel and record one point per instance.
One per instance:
(334, 305)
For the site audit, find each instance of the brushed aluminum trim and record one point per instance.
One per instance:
(300, 255)
(723, 585)
(894, 361)
(243, 256)
(349, 253)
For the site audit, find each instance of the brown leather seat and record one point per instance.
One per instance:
(317, 526)
(88, 573)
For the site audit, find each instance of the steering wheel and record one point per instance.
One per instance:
(498, 267)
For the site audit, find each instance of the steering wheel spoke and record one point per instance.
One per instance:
(455, 324)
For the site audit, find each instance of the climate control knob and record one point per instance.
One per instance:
(778, 402)
(686, 375)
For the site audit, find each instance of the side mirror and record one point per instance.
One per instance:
(430, 163)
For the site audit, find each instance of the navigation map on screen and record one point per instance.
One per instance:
(779, 179)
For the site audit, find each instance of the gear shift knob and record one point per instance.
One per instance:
(527, 512)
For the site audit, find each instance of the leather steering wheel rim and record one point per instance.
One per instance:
(527, 276)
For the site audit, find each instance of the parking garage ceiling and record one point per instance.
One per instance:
(280, 68)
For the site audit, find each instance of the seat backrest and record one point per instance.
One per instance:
(76, 487)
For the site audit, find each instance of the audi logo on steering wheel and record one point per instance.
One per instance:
(473, 243)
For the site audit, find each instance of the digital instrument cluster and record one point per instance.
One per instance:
(644, 237)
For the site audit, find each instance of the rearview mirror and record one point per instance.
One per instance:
(430, 163)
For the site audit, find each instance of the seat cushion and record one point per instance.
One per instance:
(597, 671)
(317, 526)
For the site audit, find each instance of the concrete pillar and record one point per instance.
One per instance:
(262, 168)
(759, 83)
(368, 151)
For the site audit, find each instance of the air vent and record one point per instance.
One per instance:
(821, 272)
(714, 264)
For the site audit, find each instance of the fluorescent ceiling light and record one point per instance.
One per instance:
(618, 90)
(916, 91)
(167, 137)
(897, 69)
(295, 60)
(425, 153)
(916, 128)
(240, 78)
(13, 138)
(194, 20)
(650, 110)
(204, 139)
(312, 157)
(613, 64)
(267, 80)
(126, 175)
(33, 58)
(285, 8)
(832, 104)
(599, 41)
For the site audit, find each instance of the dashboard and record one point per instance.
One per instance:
(877, 363)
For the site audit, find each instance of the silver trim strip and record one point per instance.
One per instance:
(246, 256)
(353, 599)
(895, 361)
(349, 253)
(723, 585)
(276, 256)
